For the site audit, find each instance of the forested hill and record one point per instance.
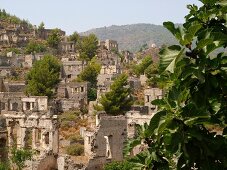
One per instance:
(132, 37)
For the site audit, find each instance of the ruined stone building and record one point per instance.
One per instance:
(29, 122)
(67, 47)
(127, 56)
(16, 60)
(103, 87)
(72, 95)
(26, 121)
(136, 117)
(107, 74)
(71, 69)
(108, 57)
(134, 83)
(14, 35)
(44, 33)
(110, 69)
(103, 78)
(110, 45)
(17, 86)
(105, 143)
(4, 61)
(142, 114)
(143, 80)
(5, 71)
(12, 38)
(36, 130)
(151, 94)
(30, 59)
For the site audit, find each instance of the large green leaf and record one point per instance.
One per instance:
(197, 120)
(130, 144)
(208, 1)
(154, 122)
(187, 37)
(168, 58)
(203, 43)
(171, 27)
(222, 3)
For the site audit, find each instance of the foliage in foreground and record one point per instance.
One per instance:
(43, 77)
(177, 135)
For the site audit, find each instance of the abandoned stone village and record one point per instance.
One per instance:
(51, 127)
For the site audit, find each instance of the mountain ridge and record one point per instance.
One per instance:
(133, 36)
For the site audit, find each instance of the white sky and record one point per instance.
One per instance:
(82, 15)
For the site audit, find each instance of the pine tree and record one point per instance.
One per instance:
(43, 77)
(118, 100)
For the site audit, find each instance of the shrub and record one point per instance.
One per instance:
(69, 116)
(75, 150)
(4, 166)
(19, 156)
(65, 124)
(35, 47)
(118, 166)
(75, 138)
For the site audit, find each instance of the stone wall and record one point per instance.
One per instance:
(133, 118)
(110, 69)
(151, 94)
(111, 45)
(105, 144)
(67, 47)
(72, 95)
(3, 140)
(71, 69)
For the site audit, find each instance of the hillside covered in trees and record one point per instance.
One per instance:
(133, 37)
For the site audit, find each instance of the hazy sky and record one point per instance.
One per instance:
(82, 15)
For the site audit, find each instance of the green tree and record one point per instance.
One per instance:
(90, 74)
(54, 38)
(92, 94)
(151, 72)
(41, 26)
(140, 68)
(87, 47)
(4, 14)
(43, 77)
(119, 99)
(178, 135)
(74, 37)
(35, 47)
(19, 156)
